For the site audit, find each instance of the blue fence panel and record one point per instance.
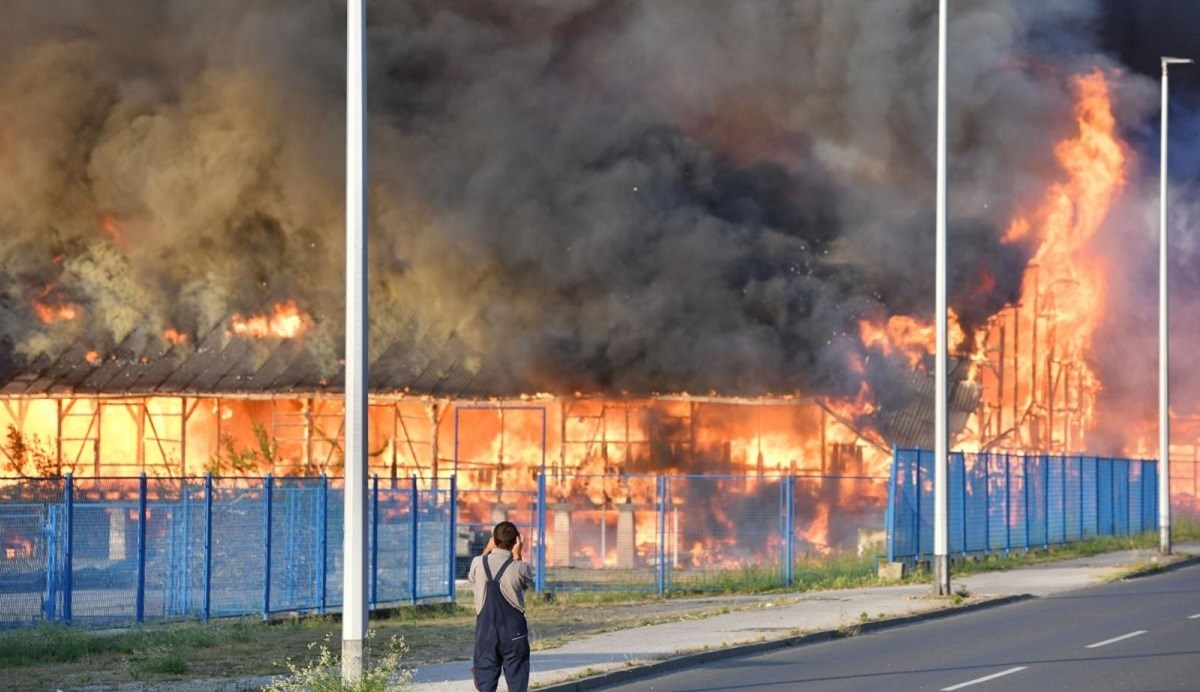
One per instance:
(733, 523)
(238, 521)
(295, 544)
(106, 528)
(435, 523)
(393, 533)
(956, 496)
(995, 467)
(28, 526)
(335, 538)
(601, 531)
(976, 534)
(1149, 495)
(164, 584)
(904, 535)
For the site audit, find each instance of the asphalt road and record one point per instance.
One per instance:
(1141, 634)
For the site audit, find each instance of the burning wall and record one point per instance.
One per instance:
(495, 445)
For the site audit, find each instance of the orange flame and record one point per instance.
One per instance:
(174, 336)
(1045, 397)
(287, 322)
(93, 357)
(914, 338)
(52, 307)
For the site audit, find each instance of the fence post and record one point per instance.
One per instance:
(1028, 504)
(412, 555)
(1148, 509)
(987, 502)
(963, 456)
(323, 545)
(1046, 499)
(454, 537)
(1112, 497)
(208, 552)
(917, 508)
(375, 538)
(789, 515)
(182, 598)
(1008, 504)
(662, 532)
(539, 583)
(268, 500)
(68, 557)
(1062, 475)
(1081, 498)
(1128, 502)
(140, 606)
(889, 512)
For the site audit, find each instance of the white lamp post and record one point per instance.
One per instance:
(941, 442)
(354, 547)
(1164, 422)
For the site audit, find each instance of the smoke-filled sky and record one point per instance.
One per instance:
(601, 195)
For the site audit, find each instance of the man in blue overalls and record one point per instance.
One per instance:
(500, 577)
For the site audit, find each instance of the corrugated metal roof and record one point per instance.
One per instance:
(907, 420)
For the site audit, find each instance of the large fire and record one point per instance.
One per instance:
(1039, 390)
(601, 455)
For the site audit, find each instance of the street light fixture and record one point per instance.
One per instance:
(1164, 423)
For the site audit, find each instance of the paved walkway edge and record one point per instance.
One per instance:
(685, 661)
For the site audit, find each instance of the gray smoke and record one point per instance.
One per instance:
(591, 194)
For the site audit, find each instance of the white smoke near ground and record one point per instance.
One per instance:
(592, 195)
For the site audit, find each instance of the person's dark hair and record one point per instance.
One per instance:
(505, 535)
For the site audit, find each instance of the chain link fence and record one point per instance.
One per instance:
(100, 551)
(698, 532)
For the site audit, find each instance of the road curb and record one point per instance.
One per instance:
(1159, 568)
(685, 661)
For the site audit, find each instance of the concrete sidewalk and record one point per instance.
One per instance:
(765, 622)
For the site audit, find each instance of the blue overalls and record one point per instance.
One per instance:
(501, 639)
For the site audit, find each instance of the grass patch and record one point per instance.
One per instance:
(158, 661)
(839, 571)
(1182, 531)
(48, 644)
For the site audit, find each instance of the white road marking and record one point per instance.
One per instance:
(1115, 639)
(985, 678)
(1194, 617)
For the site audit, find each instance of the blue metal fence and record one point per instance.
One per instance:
(99, 551)
(1001, 502)
(119, 550)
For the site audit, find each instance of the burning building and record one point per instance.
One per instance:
(606, 237)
